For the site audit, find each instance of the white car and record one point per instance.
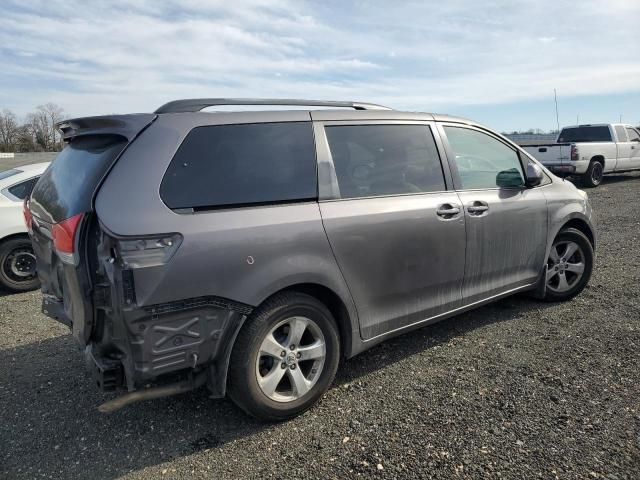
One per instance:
(17, 262)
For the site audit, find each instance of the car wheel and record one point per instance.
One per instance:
(569, 265)
(285, 357)
(18, 265)
(594, 174)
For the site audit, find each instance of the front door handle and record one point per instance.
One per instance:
(447, 210)
(477, 208)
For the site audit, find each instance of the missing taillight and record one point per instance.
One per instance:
(148, 252)
(64, 236)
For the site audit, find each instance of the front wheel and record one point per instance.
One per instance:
(285, 357)
(594, 174)
(569, 265)
(18, 265)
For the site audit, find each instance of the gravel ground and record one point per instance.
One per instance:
(518, 389)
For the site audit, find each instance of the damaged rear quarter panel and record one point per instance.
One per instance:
(240, 254)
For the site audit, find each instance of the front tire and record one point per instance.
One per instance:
(569, 265)
(18, 265)
(594, 174)
(285, 357)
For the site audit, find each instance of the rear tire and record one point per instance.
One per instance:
(594, 174)
(17, 265)
(569, 265)
(304, 357)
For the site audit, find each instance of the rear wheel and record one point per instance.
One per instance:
(594, 174)
(18, 265)
(285, 357)
(569, 265)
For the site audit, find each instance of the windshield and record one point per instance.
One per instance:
(585, 134)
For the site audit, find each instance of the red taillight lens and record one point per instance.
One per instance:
(574, 152)
(28, 218)
(65, 233)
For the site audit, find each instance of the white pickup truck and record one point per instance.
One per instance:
(591, 151)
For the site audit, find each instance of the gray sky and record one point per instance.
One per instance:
(495, 61)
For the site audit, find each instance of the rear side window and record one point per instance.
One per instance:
(585, 134)
(480, 158)
(247, 164)
(22, 189)
(376, 160)
(633, 135)
(621, 133)
(66, 188)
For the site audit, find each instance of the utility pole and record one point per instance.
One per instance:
(555, 96)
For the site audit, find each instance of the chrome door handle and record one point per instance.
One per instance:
(447, 210)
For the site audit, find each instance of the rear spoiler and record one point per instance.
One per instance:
(127, 126)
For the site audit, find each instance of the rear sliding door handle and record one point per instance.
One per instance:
(477, 208)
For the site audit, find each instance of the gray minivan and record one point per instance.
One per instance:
(251, 251)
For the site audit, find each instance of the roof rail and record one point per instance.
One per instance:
(197, 104)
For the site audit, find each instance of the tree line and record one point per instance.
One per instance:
(36, 132)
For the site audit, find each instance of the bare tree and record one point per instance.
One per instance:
(9, 130)
(41, 124)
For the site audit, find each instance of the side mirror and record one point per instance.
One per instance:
(511, 178)
(534, 175)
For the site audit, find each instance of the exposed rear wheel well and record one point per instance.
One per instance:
(335, 305)
(598, 158)
(583, 227)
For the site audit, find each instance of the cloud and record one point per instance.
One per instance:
(125, 56)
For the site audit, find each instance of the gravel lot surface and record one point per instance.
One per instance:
(518, 389)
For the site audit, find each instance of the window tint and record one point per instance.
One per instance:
(585, 134)
(21, 190)
(621, 133)
(375, 160)
(480, 158)
(67, 186)
(242, 164)
(633, 135)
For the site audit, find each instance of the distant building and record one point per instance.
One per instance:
(531, 138)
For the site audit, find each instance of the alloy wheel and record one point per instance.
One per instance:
(290, 359)
(565, 266)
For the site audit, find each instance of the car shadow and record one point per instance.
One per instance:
(622, 177)
(6, 293)
(50, 420)
(607, 179)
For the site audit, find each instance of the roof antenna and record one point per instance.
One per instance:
(555, 96)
